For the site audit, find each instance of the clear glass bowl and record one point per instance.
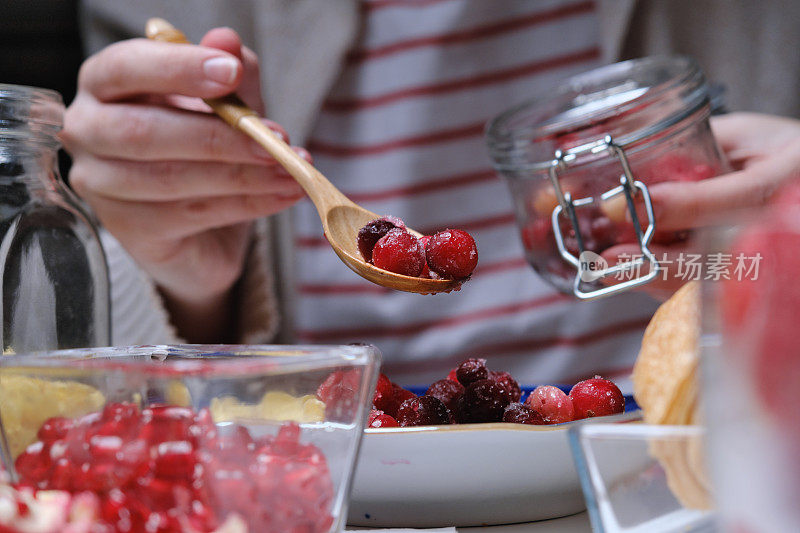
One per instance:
(186, 438)
(655, 109)
(640, 478)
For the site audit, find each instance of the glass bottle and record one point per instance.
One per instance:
(54, 282)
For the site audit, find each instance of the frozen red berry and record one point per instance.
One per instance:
(400, 252)
(596, 397)
(452, 253)
(383, 397)
(518, 413)
(373, 231)
(450, 393)
(379, 419)
(426, 271)
(552, 403)
(508, 383)
(383, 421)
(399, 395)
(422, 411)
(484, 401)
(471, 370)
(452, 374)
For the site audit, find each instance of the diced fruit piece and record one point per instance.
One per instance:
(450, 393)
(471, 370)
(422, 411)
(373, 231)
(54, 429)
(518, 413)
(552, 403)
(596, 397)
(484, 401)
(508, 383)
(400, 252)
(339, 383)
(452, 253)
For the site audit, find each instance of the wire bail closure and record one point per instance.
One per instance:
(566, 205)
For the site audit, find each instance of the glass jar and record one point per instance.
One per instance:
(54, 279)
(578, 161)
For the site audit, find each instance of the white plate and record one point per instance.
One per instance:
(466, 475)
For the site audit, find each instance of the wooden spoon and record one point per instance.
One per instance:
(341, 218)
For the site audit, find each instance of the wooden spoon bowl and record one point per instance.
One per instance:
(341, 218)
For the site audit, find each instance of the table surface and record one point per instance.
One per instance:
(577, 523)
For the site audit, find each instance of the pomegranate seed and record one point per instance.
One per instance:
(175, 460)
(54, 429)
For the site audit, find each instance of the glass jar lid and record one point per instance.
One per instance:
(632, 101)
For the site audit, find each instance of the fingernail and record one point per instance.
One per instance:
(221, 69)
(276, 131)
(302, 152)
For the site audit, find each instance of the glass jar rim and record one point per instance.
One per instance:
(30, 114)
(592, 97)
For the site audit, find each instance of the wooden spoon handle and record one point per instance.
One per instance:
(243, 118)
(230, 107)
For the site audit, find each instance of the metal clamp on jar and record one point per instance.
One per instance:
(579, 160)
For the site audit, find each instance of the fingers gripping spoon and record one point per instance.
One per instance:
(341, 218)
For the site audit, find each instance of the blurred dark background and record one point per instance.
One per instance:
(40, 44)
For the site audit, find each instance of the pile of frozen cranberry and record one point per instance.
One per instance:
(167, 469)
(386, 243)
(472, 393)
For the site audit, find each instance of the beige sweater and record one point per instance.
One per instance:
(748, 47)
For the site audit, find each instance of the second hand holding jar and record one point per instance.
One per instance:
(578, 162)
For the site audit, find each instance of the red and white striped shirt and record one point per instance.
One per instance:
(402, 133)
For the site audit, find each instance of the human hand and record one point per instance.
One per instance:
(764, 152)
(175, 185)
